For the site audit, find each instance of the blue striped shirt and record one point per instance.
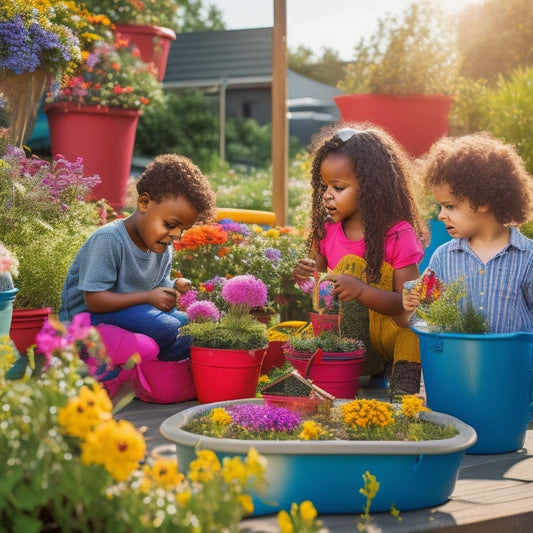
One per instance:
(501, 289)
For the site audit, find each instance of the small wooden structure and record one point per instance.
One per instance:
(295, 392)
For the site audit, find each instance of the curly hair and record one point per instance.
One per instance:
(385, 178)
(483, 170)
(171, 176)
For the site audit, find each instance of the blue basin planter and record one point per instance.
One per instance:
(412, 475)
(485, 380)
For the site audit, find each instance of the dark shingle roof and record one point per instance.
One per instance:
(244, 55)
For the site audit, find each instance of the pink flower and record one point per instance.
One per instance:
(203, 311)
(245, 289)
(187, 299)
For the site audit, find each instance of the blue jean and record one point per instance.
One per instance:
(148, 320)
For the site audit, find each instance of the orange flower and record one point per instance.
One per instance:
(201, 236)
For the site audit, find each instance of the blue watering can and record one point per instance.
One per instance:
(485, 380)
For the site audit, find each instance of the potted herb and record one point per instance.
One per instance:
(44, 219)
(227, 348)
(404, 70)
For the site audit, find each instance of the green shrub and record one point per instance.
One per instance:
(510, 112)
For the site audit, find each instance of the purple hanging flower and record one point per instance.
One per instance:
(273, 254)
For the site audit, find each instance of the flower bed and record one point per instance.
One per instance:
(412, 474)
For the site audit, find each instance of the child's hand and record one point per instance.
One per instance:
(347, 287)
(164, 298)
(304, 269)
(411, 298)
(182, 285)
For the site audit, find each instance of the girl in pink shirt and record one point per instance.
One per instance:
(368, 233)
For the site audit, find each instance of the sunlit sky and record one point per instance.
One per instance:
(315, 24)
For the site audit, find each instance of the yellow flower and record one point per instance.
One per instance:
(367, 412)
(204, 467)
(412, 405)
(219, 415)
(273, 233)
(183, 498)
(308, 512)
(165, 473)
(234, 470)
(116, 445)
(311, 430)
(264, 377)
(246, 502)
(285, 522)
(85, 411)
(256, 463)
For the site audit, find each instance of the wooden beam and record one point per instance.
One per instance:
(280, 125)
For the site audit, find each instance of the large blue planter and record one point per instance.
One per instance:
(6, 310)
(484, 380)
(412, 475)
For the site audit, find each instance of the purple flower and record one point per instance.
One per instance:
(229, 225)
(257, 417)
(273, 254)
(245, 289)
(203, 311)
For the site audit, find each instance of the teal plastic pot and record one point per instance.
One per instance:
(484, 380)
(6, 310)
(412, 474)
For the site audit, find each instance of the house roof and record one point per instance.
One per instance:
(240, 57)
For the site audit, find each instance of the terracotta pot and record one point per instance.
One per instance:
(24, 93)
(103, 136)
(416, 121)
(25, 325)
(221, 374)
(153, 43)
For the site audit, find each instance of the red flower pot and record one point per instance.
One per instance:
(323, 322)
(25, 324)
(221, 374)
(153, 43)
(415, 121)
(336, 373)
(103, 136)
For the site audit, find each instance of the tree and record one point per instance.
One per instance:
(194, 16)
(328, 68)
(495, 37)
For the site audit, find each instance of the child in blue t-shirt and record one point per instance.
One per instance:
(121, 274)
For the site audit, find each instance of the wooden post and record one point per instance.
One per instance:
(280, 126)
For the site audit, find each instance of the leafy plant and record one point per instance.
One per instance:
(446, 311)
(44, 219)
(510, 112)
(89, 471)
(328, 341)
(415, 55)
(235, 329)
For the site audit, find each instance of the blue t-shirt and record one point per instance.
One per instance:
(110, 261)
(501, 289)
